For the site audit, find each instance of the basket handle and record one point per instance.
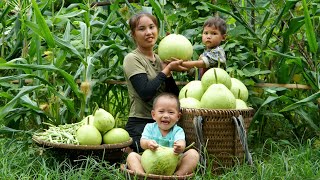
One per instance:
(197, 122)
(243, 137)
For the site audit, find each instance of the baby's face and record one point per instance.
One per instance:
(212, 37)
(166, 113)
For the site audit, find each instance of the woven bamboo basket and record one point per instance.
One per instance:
(110, 152)
(137, 176)
(219, 134)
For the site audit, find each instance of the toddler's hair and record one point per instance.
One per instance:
(169, 96)
(218, 23)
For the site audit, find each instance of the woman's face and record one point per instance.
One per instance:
(145, 33)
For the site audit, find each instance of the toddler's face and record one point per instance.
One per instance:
(166, 113)
(212, 37)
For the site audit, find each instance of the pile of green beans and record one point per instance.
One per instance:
(60, 134)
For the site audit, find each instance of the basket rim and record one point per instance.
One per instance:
(248, 112)
(39, 141)
(222, 110)
(124, 169)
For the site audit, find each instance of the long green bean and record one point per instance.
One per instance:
(60, 134)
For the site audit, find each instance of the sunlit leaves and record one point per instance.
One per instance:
(46, 33)
(312, 41)
(302, 102)
(11, 104)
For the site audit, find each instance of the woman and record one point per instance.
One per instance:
(146, 75)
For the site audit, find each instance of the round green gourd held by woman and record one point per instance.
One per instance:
(175, 45)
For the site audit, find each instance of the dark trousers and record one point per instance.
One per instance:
(135, 128)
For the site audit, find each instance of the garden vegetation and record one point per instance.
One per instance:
(60, 59)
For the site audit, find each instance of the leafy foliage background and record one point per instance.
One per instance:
(60, 60)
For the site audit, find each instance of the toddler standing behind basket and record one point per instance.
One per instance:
(213, 34)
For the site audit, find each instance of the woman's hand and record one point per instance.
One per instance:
(174, 59)
(175, 65)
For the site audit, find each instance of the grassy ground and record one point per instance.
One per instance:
(22, 159)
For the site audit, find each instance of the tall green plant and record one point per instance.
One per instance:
(279, 50)
(60, 48)
(55, 65)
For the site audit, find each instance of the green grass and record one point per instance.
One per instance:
(22, 159)
(280, 160)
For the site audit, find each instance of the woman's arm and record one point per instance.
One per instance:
(171, 86)
(146, 88)
(173, 66)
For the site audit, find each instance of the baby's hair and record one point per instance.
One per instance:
(134, 20)
(169, 96)
(218, 23)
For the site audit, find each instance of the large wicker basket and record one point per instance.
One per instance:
(110, 152)
(219, 133)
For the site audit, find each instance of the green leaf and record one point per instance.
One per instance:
(101, 52)
(34, 27)
(311, 37)
(6, 95)
(67, 46)
(23, 76)
(84, 34)
(289, 4)
(66, 35)
(311, 79)
(267, 101)
(68, 102)
(147, 9)
(265, 18)
(281, 54)
(294, 25)
(43, 25)
(15, 50)
(7, 130)
(157, 9)
(10, 105)
(29, 103)
(309, 120)
(249, 72)
(301, 102)
(239, 19)
(67, 77)
(283, 74)
(3, 14)
(2, 60)
(71, 14)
